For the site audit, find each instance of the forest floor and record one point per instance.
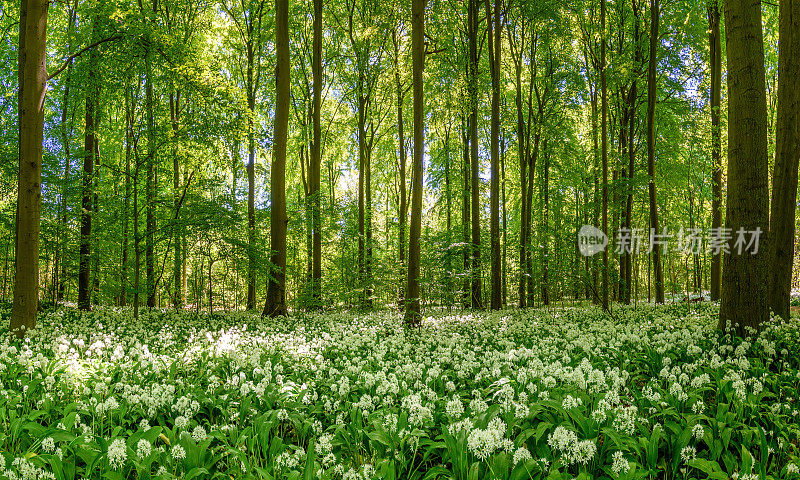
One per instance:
(654, 392)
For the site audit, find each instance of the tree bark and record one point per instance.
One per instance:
(32, 87)
(175, 109)
(413, 314)
(472, 27)
(316, 149)
(604, 144)
(150, 221)
(493, 22)
(744, 276)
(401, 149)
(89, 151)
(787, 156)
(715, 61)
(651, 146)
(276, 289)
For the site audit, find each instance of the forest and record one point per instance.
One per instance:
(434, 239)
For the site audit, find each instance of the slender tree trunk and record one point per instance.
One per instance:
(251, 179)
(465, 216)
(523, 161)
(137, 254)
(150, 184)
(493, 22)
(715, 53)
(123, 277)
(32, 87)
(744, 275)
(276, 289)
(651, 145)
(472, 29)
(316, 149)
(787, 156)
(448, 261)
(413, 314)
(89, 151)
(401, 149)
(545, 227)
(61, 255)
(175, 108)
(604, 144)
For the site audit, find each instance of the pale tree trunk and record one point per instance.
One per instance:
(413, 314)
(32, 84)
(744, 276)
(787, 156)
(651, 146)
(276, 289)
(715, 51)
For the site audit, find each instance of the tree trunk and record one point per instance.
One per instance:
(413, 314)
(493, 22)
(175, 109)
(715, 52)
(276, 289)
(123, 277)
(150, 193)
(401, 149)
(251, 179)
(472, 28)
(89, 151)
(651, 146)
(744, 276)
(32, 87)
(316, 149)
(604, 145)
(545, 227)
(465, 216)
(787, 156)
(61, 254)
(516, 55)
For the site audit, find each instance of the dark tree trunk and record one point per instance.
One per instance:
(787, 156)
(651, 146)
(316, 155)
(744, 276)
(472, 28)
(715, 52)
(604, 145)
(495, 49)
(276, 289)
(177, 230)
(413, 314)
(89, 152)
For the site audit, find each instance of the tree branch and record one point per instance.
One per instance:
(79, 53)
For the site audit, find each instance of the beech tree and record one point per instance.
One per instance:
(276, 288)
(744, 300)
(32, 83)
